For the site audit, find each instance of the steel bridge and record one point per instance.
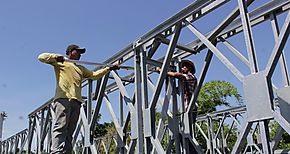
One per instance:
(140, 93)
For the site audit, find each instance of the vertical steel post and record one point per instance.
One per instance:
(2, 117)
(1, 129)
(176, 119)
(89, 101)
(121, 108)
(30, 133)
(265, 136)
(88, 136)
(144, 91)
(138, 102)
(210, 135)
(42, 129)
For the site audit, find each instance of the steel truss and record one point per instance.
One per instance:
(138, 130)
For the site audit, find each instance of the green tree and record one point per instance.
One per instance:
(103, 129)
(216, 93)
(284, 142)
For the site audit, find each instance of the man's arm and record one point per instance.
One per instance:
(50, 58)
(176, 75)
(173, 74)
(96, 75)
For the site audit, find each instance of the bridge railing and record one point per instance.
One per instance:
(133, 97)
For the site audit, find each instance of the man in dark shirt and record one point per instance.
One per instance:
(188, 79)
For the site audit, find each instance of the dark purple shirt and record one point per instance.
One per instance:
(189, 85)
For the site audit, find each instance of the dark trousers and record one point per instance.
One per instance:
(65, 115)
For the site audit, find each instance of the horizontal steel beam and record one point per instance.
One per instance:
(25, 131)
(165, 28)
(45, 105)
(233, 110)
(257, 16)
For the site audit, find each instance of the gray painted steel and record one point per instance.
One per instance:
(142, 93)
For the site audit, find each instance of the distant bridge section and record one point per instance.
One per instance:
(133, 97)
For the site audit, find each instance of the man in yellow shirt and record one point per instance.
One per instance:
(68, 99)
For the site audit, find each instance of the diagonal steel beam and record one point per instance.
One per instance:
(166, 62)
(277, 138)
(216, 51)
(113, 115)
(123, 91)
(282, 122)
(265, 136)
(100, 96)
(235, 51)
(278, 48)
(241, 139)
(248, 36)
(283, 63)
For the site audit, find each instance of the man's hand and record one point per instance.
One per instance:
(158, 69)
(60, 59)
(114, 67)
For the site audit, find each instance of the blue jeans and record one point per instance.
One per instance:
(65, 115)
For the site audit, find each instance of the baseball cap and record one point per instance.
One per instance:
(72, 47)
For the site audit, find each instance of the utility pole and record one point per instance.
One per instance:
(3, 115)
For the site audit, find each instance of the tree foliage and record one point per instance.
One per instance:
(285, 138)
(216, 93)
(103, 129)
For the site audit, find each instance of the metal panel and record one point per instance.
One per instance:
(284, 102)
(258, 102)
